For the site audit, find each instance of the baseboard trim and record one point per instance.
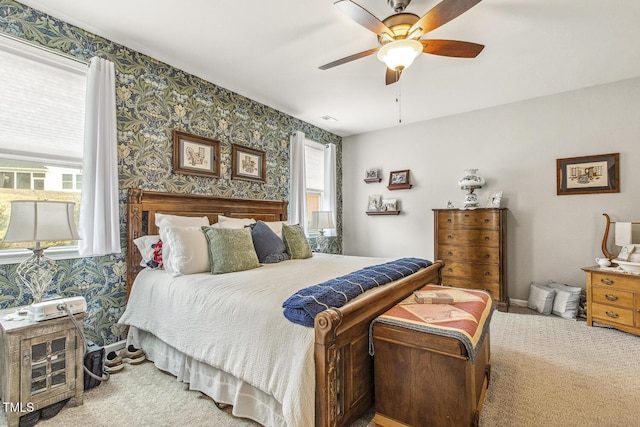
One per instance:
(116, 346)
(518, 302)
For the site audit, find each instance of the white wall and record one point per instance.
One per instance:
(515, 148)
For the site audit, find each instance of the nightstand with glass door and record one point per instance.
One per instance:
(41, 363)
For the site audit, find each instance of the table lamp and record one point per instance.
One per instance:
(469, 182)
(321, 221)
(39, 221)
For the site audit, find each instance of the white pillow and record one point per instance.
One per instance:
(189, 253)
(164, 221)
(567, 300)
(144, 245)
(276, 226)
(541, 298)
(226, 222)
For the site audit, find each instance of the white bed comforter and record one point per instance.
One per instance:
(234, 322)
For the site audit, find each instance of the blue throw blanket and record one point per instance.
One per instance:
(302, 307)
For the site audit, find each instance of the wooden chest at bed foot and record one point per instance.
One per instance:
(422, 379)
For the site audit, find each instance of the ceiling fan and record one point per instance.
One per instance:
(399, 35)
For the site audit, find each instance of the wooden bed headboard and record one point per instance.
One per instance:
(143, 206)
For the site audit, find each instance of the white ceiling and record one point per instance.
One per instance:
(270, 51)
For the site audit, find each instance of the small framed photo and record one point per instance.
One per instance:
(389, 205)
(372, 176)
(248, 164)
(588, 174)
(195, 155)
(494, 200)
(375, 203)
(399, 180)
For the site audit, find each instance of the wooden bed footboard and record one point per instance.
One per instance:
(344, 369)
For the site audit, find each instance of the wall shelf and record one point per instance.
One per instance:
(383, 212)
(399, 187)
(370, 180)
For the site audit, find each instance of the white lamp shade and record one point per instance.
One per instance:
(399, 54)
(321, 220)
(40, 221)
(471, 179)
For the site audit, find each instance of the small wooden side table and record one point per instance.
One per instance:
(41, 363)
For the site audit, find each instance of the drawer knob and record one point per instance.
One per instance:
(487, 256)
(450, 270)
(449, 253)
(486, 221)
(487, 273)
(611, 297)
(487, 238)
(612, 314)
(449, 220)
(607, 281)
(449, 236)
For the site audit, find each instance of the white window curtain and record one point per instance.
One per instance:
(329, 200)
(298, 185)
(99, 212)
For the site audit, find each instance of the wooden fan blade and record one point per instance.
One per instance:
(349, 58)
(392, 76)
(363, 17)
(454, 48)
(441, 13)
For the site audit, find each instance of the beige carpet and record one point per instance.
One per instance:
(546, 371)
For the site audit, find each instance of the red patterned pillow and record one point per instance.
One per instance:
(156, 262)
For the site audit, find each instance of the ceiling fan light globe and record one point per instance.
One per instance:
(399, 54)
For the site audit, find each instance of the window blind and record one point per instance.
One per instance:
(314, 166)
(41, 105)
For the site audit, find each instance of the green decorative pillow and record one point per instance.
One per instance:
(296, 242)
(230, 249)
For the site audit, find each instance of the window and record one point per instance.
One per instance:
(67, 181)
(314, 175)
(71, 181)
(41, 129)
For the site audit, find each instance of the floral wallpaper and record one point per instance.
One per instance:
(153, 99)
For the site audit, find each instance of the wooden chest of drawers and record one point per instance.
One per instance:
(613, 298)
(473, 246)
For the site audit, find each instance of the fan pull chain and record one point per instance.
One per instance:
(399, 97)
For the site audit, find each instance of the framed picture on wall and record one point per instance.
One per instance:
(248, 164)
(399, 180)
(374, 204)
(588, 174)
(372, 176)
(389, 205)
(195, 155)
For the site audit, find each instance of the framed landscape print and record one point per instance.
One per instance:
(589, 174)
(195, 155)
(248, 164)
